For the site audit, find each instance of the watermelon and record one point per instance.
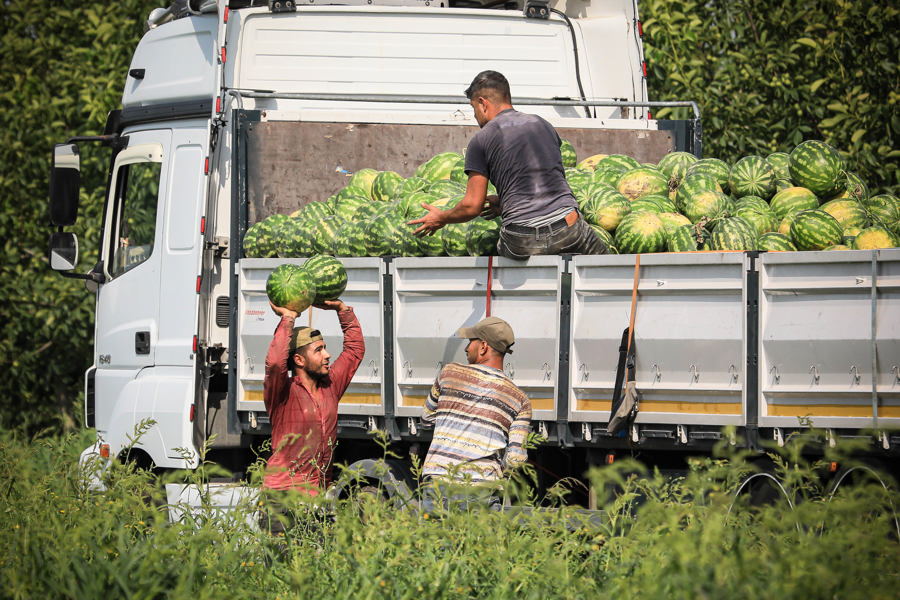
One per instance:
(763, 219)
(752, 176)
(642, 181)
(818, 167)
(363, 179)
(293, 238)
(378, 234)
(838, 247)
(783, 184)
(267, 236)
(694, 184)
(605, 237)
(367, 211)
(639, 233)
(410, 207)
(408, 186)
(774, 241)
(781, 162)
(323, 234)
(431, 245)
(438, 166)
(350, 239)
(707, 206)
(315, 211)
(346, 204)
(482, 236)
(641, 205)
(875, 237)
(384, 185)
(733, 233)
(847, 211)
(712, 166)
(577, 178)
(453, 237)
(590, 163)
(751, 201)
(792, 200)
(686, 238)
(671, 220)
(328, 275)
(606, 209)
(290, 286)
(249, 245)
(664, 203)
(854, 188)
(815, 230)
(784, 228)
(458, 172)
(850, 234)
(445, 188)
(567, 150)
(606, 177)
(884, 210)
(674, 166)
(617, 162)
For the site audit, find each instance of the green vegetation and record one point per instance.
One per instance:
(658, 537)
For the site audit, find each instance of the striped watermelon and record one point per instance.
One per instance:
(606, 209)
(364, 179)
(408, 186)
(838, 247)
(674, 166)
(733, 233)
(815, 230)
(577, 178)
(854, 188)
(884, 210)
(665, 203)
(385, 184)
(290, 286)
(267, 236)
(762, 219)
(792, 200)
(567, 150)
(453, 238)
(784, 228)
(639, 233)
(324, 232)
(847, 211)
(752, 176)
(850, 234)
(774, 241)
(712, 166)
(590, 163)
(672, 219)
(607, 238)
(482, 236)
(445, 188)
(438, 166)
(329, 276)
(431, 245)
(818, 167)
(781, 162)
(751, 201)
(687, 238)
(293, 239)
(410, 206)
(696, 183)
(617, 162)
(642, 181)
(875, 237)
(249, 244)
(708, 206)
(350, 239)
(606, 177)
(316, 210)
(378, 234)
(347, 203)
(458, 172)
(641, 205)
(367, 211)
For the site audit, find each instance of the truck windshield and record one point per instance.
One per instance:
(135, 223)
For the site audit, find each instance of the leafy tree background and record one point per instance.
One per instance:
(767, 74)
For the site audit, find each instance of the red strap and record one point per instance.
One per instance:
(490, 279)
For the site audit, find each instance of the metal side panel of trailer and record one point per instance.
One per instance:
(829, 343)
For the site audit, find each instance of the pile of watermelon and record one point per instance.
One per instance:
(802, 200)
(368, 217)
(320, 278)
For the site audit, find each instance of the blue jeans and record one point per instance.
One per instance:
(519, 242)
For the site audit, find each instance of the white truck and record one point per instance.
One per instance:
(233, 111)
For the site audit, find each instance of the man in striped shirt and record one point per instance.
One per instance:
(481, 418)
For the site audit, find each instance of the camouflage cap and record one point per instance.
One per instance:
(493, 330)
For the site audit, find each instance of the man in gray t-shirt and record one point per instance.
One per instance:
(520, 154)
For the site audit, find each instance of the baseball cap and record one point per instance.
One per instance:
(493, 330)
(303, 336)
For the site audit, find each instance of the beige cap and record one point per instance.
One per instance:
(303, 336)
(494, 330)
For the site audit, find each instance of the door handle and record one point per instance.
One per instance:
(142, 342)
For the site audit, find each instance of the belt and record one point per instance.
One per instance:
(549, 228)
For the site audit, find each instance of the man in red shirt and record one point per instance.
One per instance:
(303, 408)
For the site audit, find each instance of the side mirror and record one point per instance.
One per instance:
(65, 181)
(63, 251)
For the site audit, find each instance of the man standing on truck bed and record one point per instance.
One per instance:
(481, 418)
(303, 408)
(520, 154)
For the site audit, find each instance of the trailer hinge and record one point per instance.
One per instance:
(635, 434)
(681, 434)
(586, 431)
(219, 245)
(778, 437)
(413, 430)
(373, 424)
(253, 423)
(885, 440)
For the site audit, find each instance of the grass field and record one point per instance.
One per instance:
(658, 537)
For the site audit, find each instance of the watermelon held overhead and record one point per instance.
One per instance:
(328, 275)
(291, 286)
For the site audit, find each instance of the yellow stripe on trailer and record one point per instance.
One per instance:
(661, 406)
(536, 403)
(831, 410)
(361, 398)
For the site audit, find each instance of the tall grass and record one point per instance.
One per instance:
(657, 537)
